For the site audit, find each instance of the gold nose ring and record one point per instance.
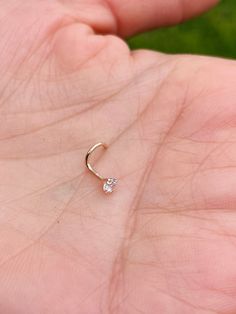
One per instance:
(108, 183)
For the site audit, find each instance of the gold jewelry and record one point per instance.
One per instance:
(108, 183)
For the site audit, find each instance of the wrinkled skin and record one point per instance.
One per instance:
(164, 242)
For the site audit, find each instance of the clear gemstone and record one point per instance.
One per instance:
(109, 185)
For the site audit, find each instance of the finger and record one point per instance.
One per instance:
(137, 15)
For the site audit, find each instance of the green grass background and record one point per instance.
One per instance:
(213, 33)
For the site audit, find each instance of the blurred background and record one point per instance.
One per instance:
(213, 33)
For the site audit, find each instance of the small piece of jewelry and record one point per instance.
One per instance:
(108, 183)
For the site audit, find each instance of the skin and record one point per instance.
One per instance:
(164, 242)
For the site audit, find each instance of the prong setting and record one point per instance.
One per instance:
(109, 185)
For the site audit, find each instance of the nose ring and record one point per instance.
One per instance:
(108, 183)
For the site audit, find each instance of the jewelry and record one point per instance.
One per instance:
(108, 183)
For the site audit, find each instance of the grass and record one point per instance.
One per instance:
(211, 34)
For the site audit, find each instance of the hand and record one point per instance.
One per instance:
(164, 241)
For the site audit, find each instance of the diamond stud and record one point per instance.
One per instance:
(109, 185)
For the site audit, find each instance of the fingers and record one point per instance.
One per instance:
(138, 15)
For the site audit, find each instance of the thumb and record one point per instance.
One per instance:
(139, 15)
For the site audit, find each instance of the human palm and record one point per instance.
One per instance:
(164, 241)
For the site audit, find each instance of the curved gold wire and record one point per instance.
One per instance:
(88, 165)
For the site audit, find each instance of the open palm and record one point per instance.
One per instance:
(164, 241)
